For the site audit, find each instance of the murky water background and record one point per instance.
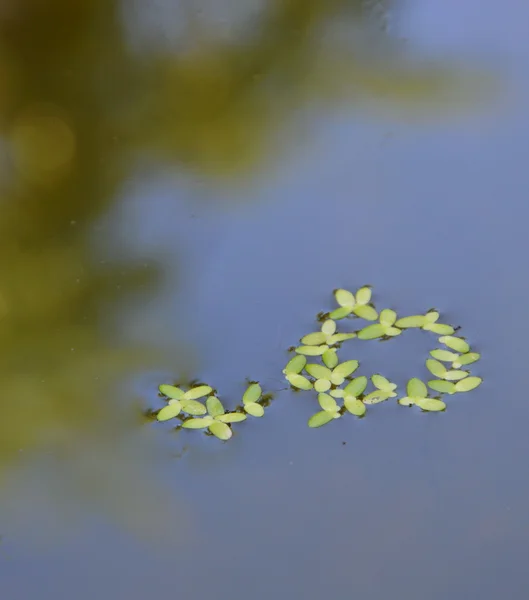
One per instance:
(181, 188)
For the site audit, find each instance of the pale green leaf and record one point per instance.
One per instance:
(444, 355)
(378, 396)
(214, 406)
(314, 339)
(330, 358)
(388, 317)
(366, 312)
(298, 381)
(440, 385)
(328, 327)
(311, 350)
(346, 368)
(221, 430)
(337, 393)
(416, 388)
(409, 322)
(392, 331)
(467, 384)
(456, 343)
(407, 401)
(197, 392)
(321, 418)
(339, 337)
(328, 403)
(466, 359)
(439, 328)
(171, 391)
(322, 385)
(252, 393)
(170, 411)
(232, 417)
(296, 364)
(431, 316)
(200, 423)
(254, 409)
(356, 387)
(318, 371)
(354, 406)
(192, 407)
(430, 404)
(363, 295)
(337, 379)
(344, 298)
(455, 375)
(382, 383)
(371, 332)
(435, 367)
(341, 313)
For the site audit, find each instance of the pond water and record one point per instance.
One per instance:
(132, 256)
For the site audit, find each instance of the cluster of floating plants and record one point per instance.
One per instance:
(339, 388)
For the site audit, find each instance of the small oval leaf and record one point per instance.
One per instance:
(311, 350)
(435, 367)
(416, 388)
(431, 316)
(170, 411)
(456, 343)
(380, 382)
(466, 359)
(322, 385)
(455, 375)
(444, 355)
(327, 403)
(356, 387)
(439, 328)
(328, 327)
(214, 406)
(192, 407)
(171, 391)
(366, 312)
(221, 430)
(392, 331)
(430, 404)
(467, 384)
(406, 401)
(252, 393)
(339, 337)
(318, 371)
(232, 417)
(341, 313)
(344, 297)
(388, 317)
(354, 406)
(371, 332)
(409, 322)
(200, 423)
(440, 385)
(330, 358)
(197, 392)
(296, 364)
(337, 379)
(337, 393)
(254, 409)
(346, 368)
(321, 418)
(298, 381)
(377, 396)
(363, 295)
(314, 339)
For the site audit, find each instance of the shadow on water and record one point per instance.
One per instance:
(89, 94)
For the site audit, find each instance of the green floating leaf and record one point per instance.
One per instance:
(456, 343)
(392, 331)
(439, 328)
(296, 364)
(440, 385)
(371, 332)
(197, 392)
(314, 339)
(171, 391)
(430, 404)
(254, 409)
(328, 327)
(192, 407)
(341, 313)
(328, 403)
(444, 355)
(337, 379)
(466, 359)
(455, 375)
(409, 322)
(378, 396)
(363, 295)
(344, 298)
(318, 371)
(252, 393)
(337, 393)
(406, 401)
(321, 418)
(468, 384)
(170, 411)
(322, 385)
(232, 417)
(311, 350)
(214, 406)
(356, 387)
(388, 317)
(431, 316)
(416, 388)
(435, 367)
(330, 358)
(298, 381)
(221, 430)
(382, 383)
(346, 368)
(354, 406)
(366, 312)
(340, 337)
(200, 423)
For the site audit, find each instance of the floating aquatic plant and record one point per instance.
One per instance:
(331, 379)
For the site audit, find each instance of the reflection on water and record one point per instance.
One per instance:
(84, 95)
